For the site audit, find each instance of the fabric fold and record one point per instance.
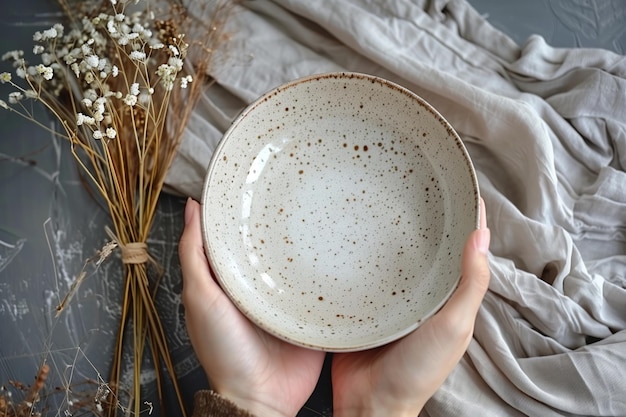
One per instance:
(546, 130)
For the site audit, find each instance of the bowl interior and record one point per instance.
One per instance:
(335, 211)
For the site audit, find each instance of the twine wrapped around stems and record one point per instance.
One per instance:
(133, 252)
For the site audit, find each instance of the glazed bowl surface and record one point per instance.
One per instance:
(335, 210)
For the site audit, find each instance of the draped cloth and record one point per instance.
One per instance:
(546, 131)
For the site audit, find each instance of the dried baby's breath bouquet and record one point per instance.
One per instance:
(121, 78)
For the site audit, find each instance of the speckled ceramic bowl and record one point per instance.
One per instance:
(335, 210)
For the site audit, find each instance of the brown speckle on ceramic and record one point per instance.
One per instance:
(335, 211)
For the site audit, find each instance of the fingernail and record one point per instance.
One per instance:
(482, 242)
(188, 211)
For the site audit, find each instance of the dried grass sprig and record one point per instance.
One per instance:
(25, 407)
(122, 84)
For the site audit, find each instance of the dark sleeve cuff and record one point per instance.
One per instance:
(210, 404)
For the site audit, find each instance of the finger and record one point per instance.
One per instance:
(190, 248)
(205, 302)
(465, 302)
(475, 273)
(198, 284)
(208, 311)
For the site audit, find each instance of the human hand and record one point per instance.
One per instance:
(398, 379)
(254, 370)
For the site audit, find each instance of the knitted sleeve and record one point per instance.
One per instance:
(210, 404)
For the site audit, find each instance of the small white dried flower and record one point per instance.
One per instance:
(99, 104)
(113, 2)
(135, 17)
(167, 74)
(37, 49)
(137, 55)
(20, 72)
(76, 68)
(185, 80)
(91, 94)
(123, 40)
(45, 72)
(59, 28)
(82, 119)
(97, 134)
(103, 392)
(120, 17)
(19, 63)
(37, 36)
(157, 45)
(15, 96)
(92, 61)
(31, 94)
(5, 77)
(85, 49)
(89, 78)
(4, 104)
(130, 100)
(111, 26)
(115, 71)
(111, 133)
(70, 58)
(87, 102)
(124, 28)
(176, 63)
(174, 50)
(49, 34)
(134, 89)
(47, 59)
(14, 55)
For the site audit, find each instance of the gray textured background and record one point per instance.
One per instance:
(49, 225)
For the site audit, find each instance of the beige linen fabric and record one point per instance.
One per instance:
(546, 129)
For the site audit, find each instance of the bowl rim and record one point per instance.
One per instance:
(247, 312)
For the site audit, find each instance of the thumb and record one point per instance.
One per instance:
(475, 276)
(475, 273)
(206, 306)
(197, 279)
